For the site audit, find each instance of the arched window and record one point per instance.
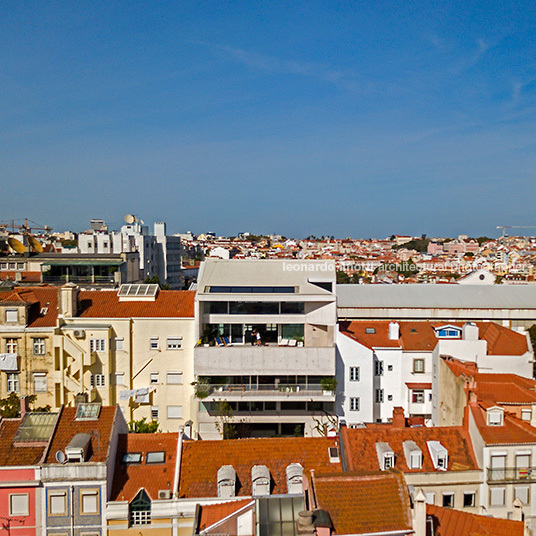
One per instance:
(139, 510)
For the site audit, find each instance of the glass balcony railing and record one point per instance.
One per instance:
(512, 474)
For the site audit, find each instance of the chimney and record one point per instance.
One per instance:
(305, 524)
(470, 331)
(419, 513)
(24, 406)
(473, 399)
(399, 421)
(394, 331)
(518, 510)
(68, 300)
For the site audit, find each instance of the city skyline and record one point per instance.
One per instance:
(310, 119)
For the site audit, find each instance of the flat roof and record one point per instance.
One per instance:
(429, 296)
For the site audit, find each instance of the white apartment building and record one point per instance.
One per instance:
(382, 365)
(279, 382)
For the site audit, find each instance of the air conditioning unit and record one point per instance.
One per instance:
(79, 333)
(164, 494)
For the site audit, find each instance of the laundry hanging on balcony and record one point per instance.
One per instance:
(141, 396)
(8, 362)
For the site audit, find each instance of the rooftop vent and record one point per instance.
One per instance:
(295, 479)
(260, 480)
(226, 481)
(78, 447)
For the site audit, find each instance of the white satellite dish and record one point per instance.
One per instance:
(130, 218)
(60, 456)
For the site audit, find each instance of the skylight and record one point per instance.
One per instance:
(131, 457)
(155, 457)
(35, 427)
(88, 412)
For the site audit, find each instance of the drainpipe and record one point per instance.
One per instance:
(72, 509)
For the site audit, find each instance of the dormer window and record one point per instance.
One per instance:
(413, 455)
(448, 332)
(386, 456)
(12, 316)
(439, 455)
(495, 416)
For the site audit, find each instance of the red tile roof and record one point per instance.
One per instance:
(202, 459)
(212, 513)
(513, 431)
(362, 504)
(450, 522)
(130, 478)
(100, 430)
(30, 277)
(11, 455)
(360, 447)
(421, 336)
(106, 304)
(38, 298)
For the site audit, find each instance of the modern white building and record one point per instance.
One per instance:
(267, 346)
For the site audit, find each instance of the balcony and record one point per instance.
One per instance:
(264, 360)
(512, 474)
(270, 392)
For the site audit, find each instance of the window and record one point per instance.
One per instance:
(12, 382)
(522, 493)
(379, 395)
(174, 378)
(155, 457)
(98, 380)
(174, 343)
(417, 396)
(154, 377)
(448, 500)
(415, 460)
(442, 462)
(39, 346)
(174, 412)
(154, 343)
(418, 366)
(119, 378)
(354, 374)
(354, 404)
(448, 333)
(495, 418)
(119, 344)
(139, 510)
(370, 331)
(57, 503)
(40, 382)
(96, 345)
(12, 316)
(496, 496)
(468, 499)
(11, 346)
(388, 461)
(89, 501)
(526, 414)
(131, 457)
(19, 504)
(378, 368)
(154, 413)
(430, 497)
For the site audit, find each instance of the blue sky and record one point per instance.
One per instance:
(357, 119)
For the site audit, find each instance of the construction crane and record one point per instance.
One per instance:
(504, 227)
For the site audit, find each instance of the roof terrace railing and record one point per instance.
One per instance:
(512, 474)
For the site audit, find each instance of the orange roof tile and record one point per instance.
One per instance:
(38, 298)
(202, 459)
(360, 447)
(363, 504)
(11, 455)
(30, 277)
(212, 513)
(130, 478)
(106, 304)
(100, 430)
(450, 522)
(379, 339)
(514, 431)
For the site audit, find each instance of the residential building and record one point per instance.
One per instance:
(267, 346)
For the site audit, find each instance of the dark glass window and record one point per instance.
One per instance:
(292, 308)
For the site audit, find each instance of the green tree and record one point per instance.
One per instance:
(143, 427)
(10, 406)
(342, 277)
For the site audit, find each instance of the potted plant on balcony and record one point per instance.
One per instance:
(328, 384)
(201, 388)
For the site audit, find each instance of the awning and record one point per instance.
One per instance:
(419, 385)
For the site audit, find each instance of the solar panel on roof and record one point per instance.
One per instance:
(138, 290)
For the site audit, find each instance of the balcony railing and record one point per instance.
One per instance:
(265, 390)
(512, 474)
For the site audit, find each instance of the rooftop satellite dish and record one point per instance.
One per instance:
(16, 245)
(35, 244)
(60, 456)
(130, 218)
